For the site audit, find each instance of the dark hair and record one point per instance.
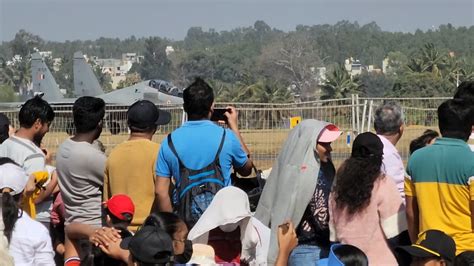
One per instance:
(150, 130)
(456, 118)
(88, 112)
(167, 221)
(351, 256)
(33, 109)
(10, 206)
(355, 181)
(464, 259)
(117, 222)
(465, 91)
(5, 128)
(198, 99)
(423, 140)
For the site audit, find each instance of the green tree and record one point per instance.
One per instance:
(16, 75)
(24, 43)
(7, 94)
(130, 80)
(104, 79)
(339, 84)
(155, 64)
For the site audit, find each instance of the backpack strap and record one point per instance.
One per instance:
(173, 149)
(220, 147)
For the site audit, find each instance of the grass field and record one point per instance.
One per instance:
(263, 144)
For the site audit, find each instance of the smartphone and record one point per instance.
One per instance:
(218, 114)
(284, 227)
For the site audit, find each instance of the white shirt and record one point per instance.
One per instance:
(30, 243)
(25, 153)
(392, 165)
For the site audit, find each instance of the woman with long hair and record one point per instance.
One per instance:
(365, 207)
(29, 241)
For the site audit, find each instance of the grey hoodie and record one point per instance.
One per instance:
(292, 181)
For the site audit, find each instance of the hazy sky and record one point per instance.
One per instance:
(61, 20)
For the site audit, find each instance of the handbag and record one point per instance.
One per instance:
(253, 186)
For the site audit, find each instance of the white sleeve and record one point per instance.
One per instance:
(44, 254)
(34, 163)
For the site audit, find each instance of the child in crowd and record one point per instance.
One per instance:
(29, 241)
(177, 230)
(341, 255)
(428, 138)
(151, 245)
(433, 248)
(227, 226)
(119, 210)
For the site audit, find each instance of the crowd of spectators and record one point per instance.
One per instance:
(174, 203)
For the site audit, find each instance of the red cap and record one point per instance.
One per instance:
(119, 204)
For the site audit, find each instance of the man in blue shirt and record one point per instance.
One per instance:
(197, 142)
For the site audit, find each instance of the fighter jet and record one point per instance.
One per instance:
(86, 84)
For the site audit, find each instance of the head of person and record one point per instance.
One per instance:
(13, 180)
(88, 113)
(428, 138)
(433, 248)
(144, 117)
(149, 246)
(323, 146)
(389, 120)
(466, 92)
(4, 128)
(36, 115)
(341, 255)
(174, 226)
(357, 175)
(198, 100)
(465, 259)
(119, 211)
(456, 118)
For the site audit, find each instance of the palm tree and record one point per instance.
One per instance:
(429, 59)
(339, 84)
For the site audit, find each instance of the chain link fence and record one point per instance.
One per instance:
(265, 126)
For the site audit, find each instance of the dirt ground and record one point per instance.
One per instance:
(263, 144)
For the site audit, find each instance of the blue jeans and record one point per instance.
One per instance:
(304, 255)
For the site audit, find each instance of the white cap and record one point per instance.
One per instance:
(13, 177)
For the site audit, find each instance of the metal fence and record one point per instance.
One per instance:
(265, 126)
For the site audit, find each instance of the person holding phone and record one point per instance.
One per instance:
(199, 143)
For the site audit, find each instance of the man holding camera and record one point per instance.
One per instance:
(198, 144)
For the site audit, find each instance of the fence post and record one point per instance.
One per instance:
(369, 118)
(363, 116)
(357, 113)
(353, 112)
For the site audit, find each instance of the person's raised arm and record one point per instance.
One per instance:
(232, 121)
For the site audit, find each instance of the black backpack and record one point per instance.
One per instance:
(197, 188)
(252, 186)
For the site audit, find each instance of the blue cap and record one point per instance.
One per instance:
(332, 260)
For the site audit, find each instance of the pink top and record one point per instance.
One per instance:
(382, 219)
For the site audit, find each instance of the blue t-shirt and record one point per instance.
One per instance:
(196, 143)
